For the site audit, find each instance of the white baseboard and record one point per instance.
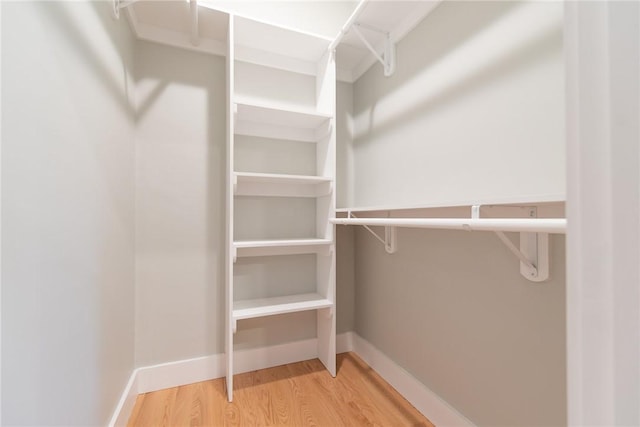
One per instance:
(126, 403)
(174, 374)
(422, 398)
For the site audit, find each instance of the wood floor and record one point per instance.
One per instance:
(298, 394)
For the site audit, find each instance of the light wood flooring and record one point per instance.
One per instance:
(298, 394)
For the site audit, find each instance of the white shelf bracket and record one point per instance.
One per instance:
(390, 240)
(121, 4)
(388, 57)
(193, 10)
(234, 325)
(533, 252)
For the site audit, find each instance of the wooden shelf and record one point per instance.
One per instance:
(279, 123)
(246, 248)
(249, 309)
(280, 185)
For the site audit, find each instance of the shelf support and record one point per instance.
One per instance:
(388, 58)
(121, 4)
(533, 252)
(390, 240)
(193, 10)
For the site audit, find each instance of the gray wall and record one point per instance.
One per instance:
(67, 212)
(345, 249)
(467, 116)
(179, 204)
(478, 101)
(453, 310)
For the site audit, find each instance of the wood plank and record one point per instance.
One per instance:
(296, 394)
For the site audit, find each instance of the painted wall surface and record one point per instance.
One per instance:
(67, 212)
(180, 175)
(464, 322)
(345, 246)
(478, 101)
(474, 111)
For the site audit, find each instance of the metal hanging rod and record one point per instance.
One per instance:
(530, 225)
(347, 25)
(533, 252)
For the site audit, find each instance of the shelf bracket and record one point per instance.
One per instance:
(390, 240)
(193, 11)
(121, 4)
(234, 325)
(388, 57)
(533, 252)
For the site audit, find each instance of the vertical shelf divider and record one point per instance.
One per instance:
(325, 211)
(230, 252)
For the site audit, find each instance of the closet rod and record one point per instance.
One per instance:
(527, 225)
(347, 26)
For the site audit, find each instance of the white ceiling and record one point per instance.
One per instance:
(170, 22)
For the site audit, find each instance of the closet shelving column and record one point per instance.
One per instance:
(275, 50)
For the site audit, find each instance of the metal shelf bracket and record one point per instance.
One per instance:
(121, 4)
(390, 240)
(533, 252)
(388, 57)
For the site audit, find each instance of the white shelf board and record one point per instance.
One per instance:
(396, 18)
(277, 115)
(527, 225)
(246, 248)
(279, 40)
(249, 309)
(280, 185)
(279, 123)
(531, 200)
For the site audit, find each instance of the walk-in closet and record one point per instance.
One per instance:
(300, 212)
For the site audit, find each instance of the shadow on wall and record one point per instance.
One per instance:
(77, 37)
(510, 38)
(176, 72)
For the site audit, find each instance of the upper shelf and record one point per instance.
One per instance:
(205, 29)
(273, 46)
(274, 122)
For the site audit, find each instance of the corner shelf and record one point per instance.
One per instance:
(265, 121)
(249, 309)
(281, 185)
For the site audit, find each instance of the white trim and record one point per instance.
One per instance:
(344, 342)
(602, 58)
(422, 398)
(189, 371)
(126, 403)
(174, 374)
(0, 220)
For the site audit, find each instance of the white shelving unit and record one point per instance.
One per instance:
(263, 50)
